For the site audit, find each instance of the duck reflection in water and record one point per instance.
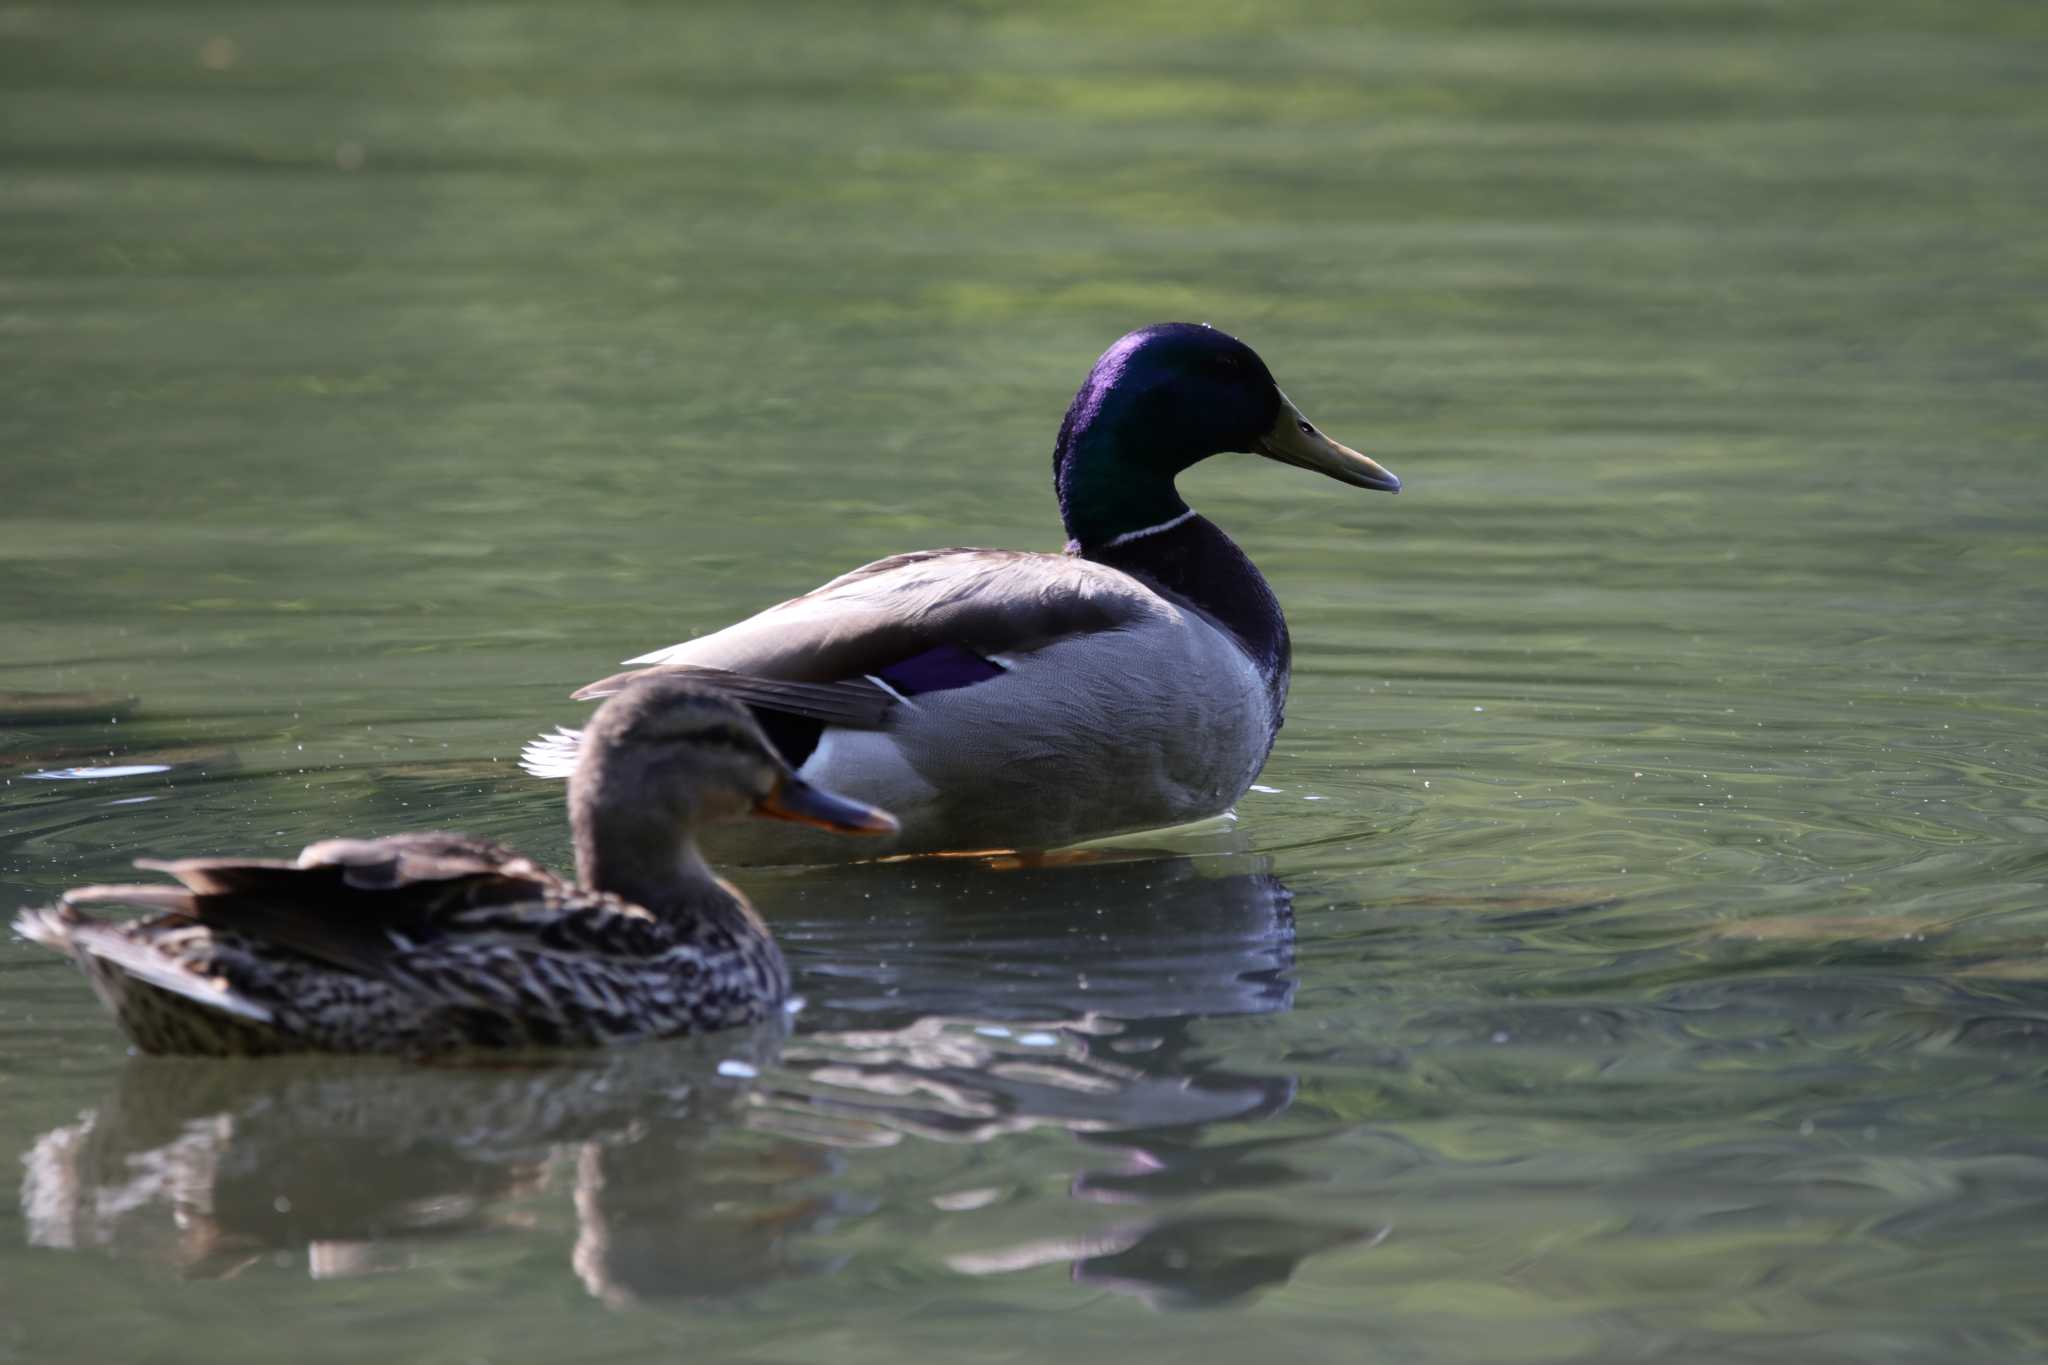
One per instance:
(362, 1166)
(975, 1003)
(984, 1002)
(1069, 997)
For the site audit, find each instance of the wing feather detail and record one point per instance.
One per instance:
(861, 624)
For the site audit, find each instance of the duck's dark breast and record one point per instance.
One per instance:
(1195, 561)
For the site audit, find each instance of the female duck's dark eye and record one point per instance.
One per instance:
(1306, 429)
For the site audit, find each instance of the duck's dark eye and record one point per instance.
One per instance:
(1306, 428)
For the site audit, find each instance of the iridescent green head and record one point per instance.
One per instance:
(1163, 398)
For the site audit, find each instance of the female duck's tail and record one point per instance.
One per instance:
(114, 961)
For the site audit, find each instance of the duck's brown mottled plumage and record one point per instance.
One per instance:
(430, 943)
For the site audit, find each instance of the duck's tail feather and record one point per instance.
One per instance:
(101, 946)
(552, 755)
(149, 895)
(58, 926)
(45, 924)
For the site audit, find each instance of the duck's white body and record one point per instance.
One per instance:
(1110, 705)
(995, 699)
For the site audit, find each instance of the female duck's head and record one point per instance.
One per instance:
(1163, 398)
(666, 755)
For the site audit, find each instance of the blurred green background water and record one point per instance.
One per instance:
(1662, 797)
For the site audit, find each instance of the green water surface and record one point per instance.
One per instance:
(1636, 949)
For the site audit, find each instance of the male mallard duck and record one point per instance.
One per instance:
(1004, 699)
(425, 943)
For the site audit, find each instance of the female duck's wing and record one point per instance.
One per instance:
(390, 863)
(846, 653)
(355, 904)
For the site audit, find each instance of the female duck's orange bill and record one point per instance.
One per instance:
(798, 800)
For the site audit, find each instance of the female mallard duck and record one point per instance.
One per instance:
(429, 943)
(1003, 699)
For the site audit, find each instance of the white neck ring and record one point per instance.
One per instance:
(1143, 531)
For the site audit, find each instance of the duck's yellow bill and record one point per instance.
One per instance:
(1295, 440)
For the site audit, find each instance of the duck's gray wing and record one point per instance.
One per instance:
(353, 903)
(855, 703)
(388, 863)
(849, 651)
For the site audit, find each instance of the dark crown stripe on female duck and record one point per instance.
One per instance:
(1005, 699)
(431, 943)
